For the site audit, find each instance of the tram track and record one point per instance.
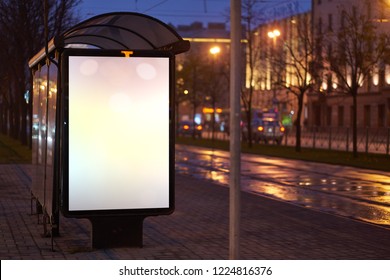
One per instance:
(325, 190)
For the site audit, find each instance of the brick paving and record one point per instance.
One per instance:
(198, 229)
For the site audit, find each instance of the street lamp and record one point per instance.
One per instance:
(214, 51)
(274, 34)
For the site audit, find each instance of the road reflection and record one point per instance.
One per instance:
(350, 192)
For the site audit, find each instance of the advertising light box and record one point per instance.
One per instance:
(118, 134)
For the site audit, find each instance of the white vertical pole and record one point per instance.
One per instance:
(235, 141)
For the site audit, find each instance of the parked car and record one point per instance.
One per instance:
(187, 128)
(265, 130)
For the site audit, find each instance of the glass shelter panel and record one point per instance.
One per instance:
(50, 136)
(43, 134)
(39, 134)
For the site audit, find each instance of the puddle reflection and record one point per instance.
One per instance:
(357, 197)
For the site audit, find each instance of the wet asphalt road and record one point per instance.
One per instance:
(350, 192)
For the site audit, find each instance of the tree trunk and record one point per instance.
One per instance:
(298, 123)
(193, 116)
(354, 124)
(176, 117)
(249, 127)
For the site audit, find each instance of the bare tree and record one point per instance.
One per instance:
(204, 79)
(188, 84)
(251, 19)
(352, 54)
(22, 33)
(215, 83)
(295, 64)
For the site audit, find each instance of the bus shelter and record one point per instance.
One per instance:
(103, 125)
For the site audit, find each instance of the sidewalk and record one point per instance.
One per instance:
(198, 229)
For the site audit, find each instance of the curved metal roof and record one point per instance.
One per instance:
(119, 30)
(123, 30)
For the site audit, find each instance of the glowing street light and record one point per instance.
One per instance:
(273, 34)
(215, 50)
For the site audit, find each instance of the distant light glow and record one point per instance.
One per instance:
(215, 50)
(88, 67)
(274, 33)
(146, 71)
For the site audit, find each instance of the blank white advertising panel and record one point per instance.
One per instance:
(118, 133)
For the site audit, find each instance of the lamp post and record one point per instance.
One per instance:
(234, 145)
(274, 34)
(214, 51)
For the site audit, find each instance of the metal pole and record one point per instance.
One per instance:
(388, 141)
(235, 116)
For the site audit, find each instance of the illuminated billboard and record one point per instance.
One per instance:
(119, 144)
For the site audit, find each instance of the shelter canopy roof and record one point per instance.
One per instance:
(120, 30)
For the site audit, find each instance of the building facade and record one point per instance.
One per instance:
(325, 104)
(330, 106)
(285, 58)
(281, 55)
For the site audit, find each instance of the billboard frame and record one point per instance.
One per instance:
(94, 214)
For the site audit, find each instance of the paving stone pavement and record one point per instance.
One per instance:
(198, 229)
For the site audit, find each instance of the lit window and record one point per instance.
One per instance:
(387, 74)
(375, 76)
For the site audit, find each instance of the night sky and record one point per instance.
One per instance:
(179, 12)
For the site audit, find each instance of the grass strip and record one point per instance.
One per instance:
(364, 160)
(12, 151)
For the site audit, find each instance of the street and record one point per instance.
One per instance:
(375, 141)
(350, 192)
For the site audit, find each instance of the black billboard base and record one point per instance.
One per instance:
(117, 231)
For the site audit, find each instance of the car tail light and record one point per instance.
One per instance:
(282, 129)
(260, 128)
